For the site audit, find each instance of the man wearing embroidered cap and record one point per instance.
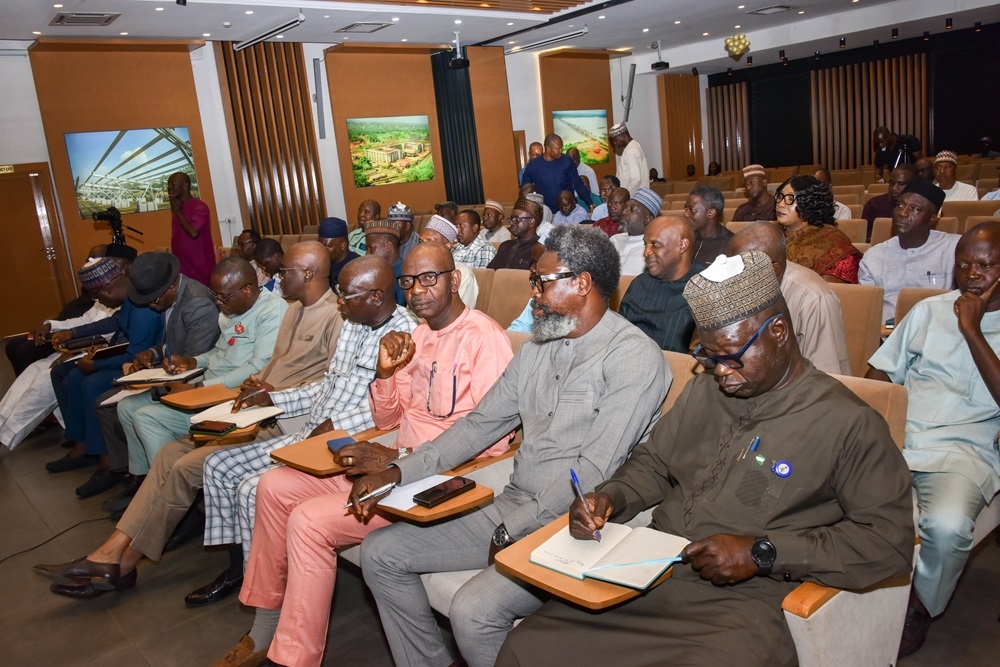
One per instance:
(493, 229)
(440, 230)
(382, 238)
(333, 235)
(632, 170)
(760, 203)
(639, 211)
(524, 249)
(823, 483)
(401, 213)
(945, 169)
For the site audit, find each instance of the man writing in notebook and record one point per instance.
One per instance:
(824, 496)
(424, 383)
(586, 388)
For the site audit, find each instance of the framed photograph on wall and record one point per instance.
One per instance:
(128, 169)
(390, 149)
(587, 131)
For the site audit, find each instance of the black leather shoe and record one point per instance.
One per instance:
(190, 527)
(103, 576)
(68, 463)
(222, 587)
(918, 623)
(99, 482)
(118, 503)
(89, 591)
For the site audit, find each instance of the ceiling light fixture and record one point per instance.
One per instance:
(816, 56)
(458, 21)
(749, 61)
(645, 29)
(600, 17)
(277, 30)
(677, 22)
(704, 34)
(895, 33)
(510, 23)
(729, 71)
(979, 26)
(542, 43)
(36, 32)
(927, 35)
(123, 33)
(159, 9)
(781, 54)
(206, 34)
(843, 42)
(182, 3)
(875, 43)
(947, 24)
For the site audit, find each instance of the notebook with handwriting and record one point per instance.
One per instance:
(633, 557)
(246, 417)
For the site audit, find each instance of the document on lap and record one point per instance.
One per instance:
(153, 375)
(122, 393)
(633, 557)
(223, 412)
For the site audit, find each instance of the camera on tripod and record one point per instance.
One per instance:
(113, 217)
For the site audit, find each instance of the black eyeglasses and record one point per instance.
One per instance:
(734, 361)
(538, 282)
(454, 390)
(223, 298)
(348, 297)
(426, 279)
(789, 199)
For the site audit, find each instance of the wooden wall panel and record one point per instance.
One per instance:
(99, 85)
(494, 126)
(376, 81)
(850, 101)
(679, 103)
(728, 122)
(270, 117)
(577, 80)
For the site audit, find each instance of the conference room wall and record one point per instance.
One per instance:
(71, 83)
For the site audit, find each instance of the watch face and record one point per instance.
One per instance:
(500, 536)
(763, 552)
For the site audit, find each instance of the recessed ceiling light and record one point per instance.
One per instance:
(159, 9)
(206, 34)
(248, 12)
(600, 17)
(326, 16)
(741, 6)
(704, 34)
(35, 32)
(123, 33)
(458, 21)
(802, 12)
(737, 27)
(403, 40)
(510, 23)
(677, 22)
(346, 38)
(511, 42)
(645, 29)
(57, 6)
(394, 18)
(280, 36)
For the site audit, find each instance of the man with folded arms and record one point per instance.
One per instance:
(943, 352)
(917, 256)
(338, 401)
(824, 497)
(423, 384)
(586, 388)
(638, 212)
(814, 308)
(177, 472)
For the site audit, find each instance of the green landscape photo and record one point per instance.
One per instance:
(391, 149)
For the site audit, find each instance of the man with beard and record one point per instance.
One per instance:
(760, 203)
(586, 388)
(524, 249)
(884, 205)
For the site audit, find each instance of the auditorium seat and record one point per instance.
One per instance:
(909, 296)
(840, 191)
(868, 176)
(842, 177)
(848, 199)
(878, 188)
(881, 230)
(948, 225)
(988, 183)
(854, 228)
(727, 214)
(735, 202)
(861, 307)
(616, 298)
(484, 280)
(856, 210)
(508, 296)
(735, 227)
(677, 205)
(863, 247)
(974, 220)
(779, 175)
(964, 209)
(967, 172)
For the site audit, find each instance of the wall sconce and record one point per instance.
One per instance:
(927, 35)
(979, 26)
(749, 61)
(781, 54)
(816, 56)
(947, 24)
(895, 33)
(843, 42)
(729, 71)
(736, 46)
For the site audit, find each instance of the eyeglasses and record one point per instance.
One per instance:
(247, 242)
(788, 199)
(156, 301)
(426, 279)
(538, 282)
(348, 297)
(519, 218)
(454, 390)
(223, 298)
(734, 361)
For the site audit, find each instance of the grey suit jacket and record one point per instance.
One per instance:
(193, 325)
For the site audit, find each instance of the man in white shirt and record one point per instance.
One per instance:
(917, 256)
(633, 171)
(840, 211)
(945, 167)
(493, 229)
(639, 212)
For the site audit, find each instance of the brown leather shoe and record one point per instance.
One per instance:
(102, 576)
(88, 592)
(242, 655)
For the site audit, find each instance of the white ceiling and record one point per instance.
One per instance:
(622, 28)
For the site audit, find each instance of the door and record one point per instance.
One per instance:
(28, 252)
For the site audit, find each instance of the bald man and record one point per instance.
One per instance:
(817, 319)
(654, 301)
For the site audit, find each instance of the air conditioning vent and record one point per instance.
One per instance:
(80, 19)
(773, 9)
(364, 27)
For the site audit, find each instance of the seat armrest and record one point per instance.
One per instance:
(809, 597)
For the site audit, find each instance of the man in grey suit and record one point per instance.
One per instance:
(586, 388)
(192, 327)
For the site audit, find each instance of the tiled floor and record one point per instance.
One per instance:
(150, 624)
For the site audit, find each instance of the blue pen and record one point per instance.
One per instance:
(752, 448)
(586, 508)
(166, 354)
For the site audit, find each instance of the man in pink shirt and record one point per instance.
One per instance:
(190, 230)
(423, 384)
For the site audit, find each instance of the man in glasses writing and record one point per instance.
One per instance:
(586, 388)
(776, 472)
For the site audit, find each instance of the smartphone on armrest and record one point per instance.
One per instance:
(444, 491)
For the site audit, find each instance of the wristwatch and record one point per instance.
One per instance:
(403, 451)
(501, 538)
(763, 553)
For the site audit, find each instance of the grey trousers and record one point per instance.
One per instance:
(482, 612)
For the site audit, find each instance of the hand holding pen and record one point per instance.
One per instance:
(589, 512)
(252, 392)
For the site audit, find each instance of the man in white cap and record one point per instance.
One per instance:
(493, 229)
(633, 172)
(441, 231)
(639, 211)
(760, 203)
(945, 168)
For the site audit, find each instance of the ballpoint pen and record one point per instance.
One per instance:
(586, 508)
(238, 402)
(377, 492)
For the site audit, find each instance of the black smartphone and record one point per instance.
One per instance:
(444, 491)
(213, 427)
